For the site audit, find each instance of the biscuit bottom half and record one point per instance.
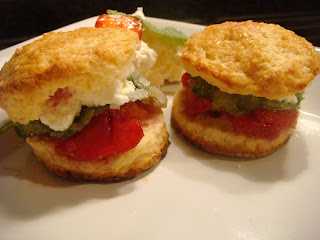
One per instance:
(122, 166)
(217, 135)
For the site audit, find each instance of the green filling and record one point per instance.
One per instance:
(5, 127)
(237, 104)
(167, 35)
(37, 127)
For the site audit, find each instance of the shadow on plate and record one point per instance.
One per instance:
(29, 190)
(283, 165)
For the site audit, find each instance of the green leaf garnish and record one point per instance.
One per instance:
(135, 80)
(5, 127)
(167, 35)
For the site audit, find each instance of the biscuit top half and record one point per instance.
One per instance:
(251, 58)
(83, 60)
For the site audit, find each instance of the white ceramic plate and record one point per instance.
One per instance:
(190, 195)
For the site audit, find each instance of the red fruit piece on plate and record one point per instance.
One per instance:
(128, 22)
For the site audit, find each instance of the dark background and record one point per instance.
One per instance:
(21, 19)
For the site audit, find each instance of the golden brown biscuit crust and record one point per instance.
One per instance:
(217, 135)
(123, 166)
(82, 59)
(252, 58)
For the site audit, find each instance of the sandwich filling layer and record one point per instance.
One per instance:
(254, 116)
(143, 90)
(111, 132)
(103, 131)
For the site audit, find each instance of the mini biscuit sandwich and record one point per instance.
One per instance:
(77, 99)
(243, 87)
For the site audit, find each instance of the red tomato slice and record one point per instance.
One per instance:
(264, 123)
(107, 134)
(185, 79)
(196, 104)
(135, 110)
(131, 23)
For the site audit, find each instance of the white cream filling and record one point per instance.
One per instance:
(60, 118)
(289, 99)
(146, 58)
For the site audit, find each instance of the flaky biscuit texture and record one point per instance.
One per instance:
(251, 58)
(83, 60)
